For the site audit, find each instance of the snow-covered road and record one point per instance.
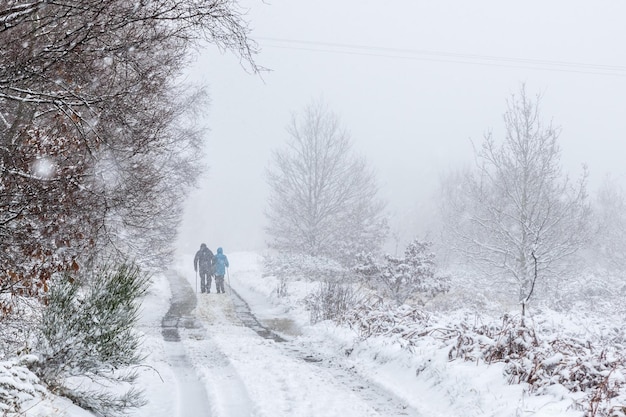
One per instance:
(212, 364)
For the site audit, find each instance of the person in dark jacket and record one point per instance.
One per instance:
(203, 264)
(220, 263)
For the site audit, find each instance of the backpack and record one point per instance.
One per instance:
(205, 259)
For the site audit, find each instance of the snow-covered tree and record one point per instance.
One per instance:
(323, 197)
(404, 278)
(96, 148)
(44, 214)
(516, 213)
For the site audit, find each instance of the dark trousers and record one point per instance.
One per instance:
(205, 281)
(219, 283)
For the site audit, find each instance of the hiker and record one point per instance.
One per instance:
(203, 263)
(220, 263)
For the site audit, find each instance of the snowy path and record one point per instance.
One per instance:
(337, 369)
(191, 397)
(248, 375)
(211, 364)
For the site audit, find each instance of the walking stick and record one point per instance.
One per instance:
(230, 289)
(196, 281)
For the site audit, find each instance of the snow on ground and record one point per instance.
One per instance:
(425, 379)
(247, 375)
(275, 384)
(222, 368)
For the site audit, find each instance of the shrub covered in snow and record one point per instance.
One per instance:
(589, 365)
(404, 278)
(375, 318)
(331, 301)
(595, 368)
(87, 343)
(18, 384)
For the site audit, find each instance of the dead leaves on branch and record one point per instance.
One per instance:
(44, 217)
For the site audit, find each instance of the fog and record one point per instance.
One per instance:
(415, 83)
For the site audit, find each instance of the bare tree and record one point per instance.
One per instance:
(516, 213)
(323, 197)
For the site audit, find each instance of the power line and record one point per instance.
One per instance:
(440, 56)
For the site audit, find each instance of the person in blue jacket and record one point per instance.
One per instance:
(220, 263)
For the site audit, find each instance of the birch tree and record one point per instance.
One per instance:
(515, 212)
(323, 196)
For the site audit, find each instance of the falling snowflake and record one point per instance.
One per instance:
(43, 167)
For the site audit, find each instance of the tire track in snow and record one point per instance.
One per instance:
(278, 385)
(191, 396)
(227, 391)
(384, 402)
(298, 386)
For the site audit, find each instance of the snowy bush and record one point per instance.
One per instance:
(597, 291)
(596, 369)
(374, 318)
(591, 365)
(18, 384)
(87, 343)
(331, 301)
(404, 278)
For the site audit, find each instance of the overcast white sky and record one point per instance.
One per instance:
(413, 81)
